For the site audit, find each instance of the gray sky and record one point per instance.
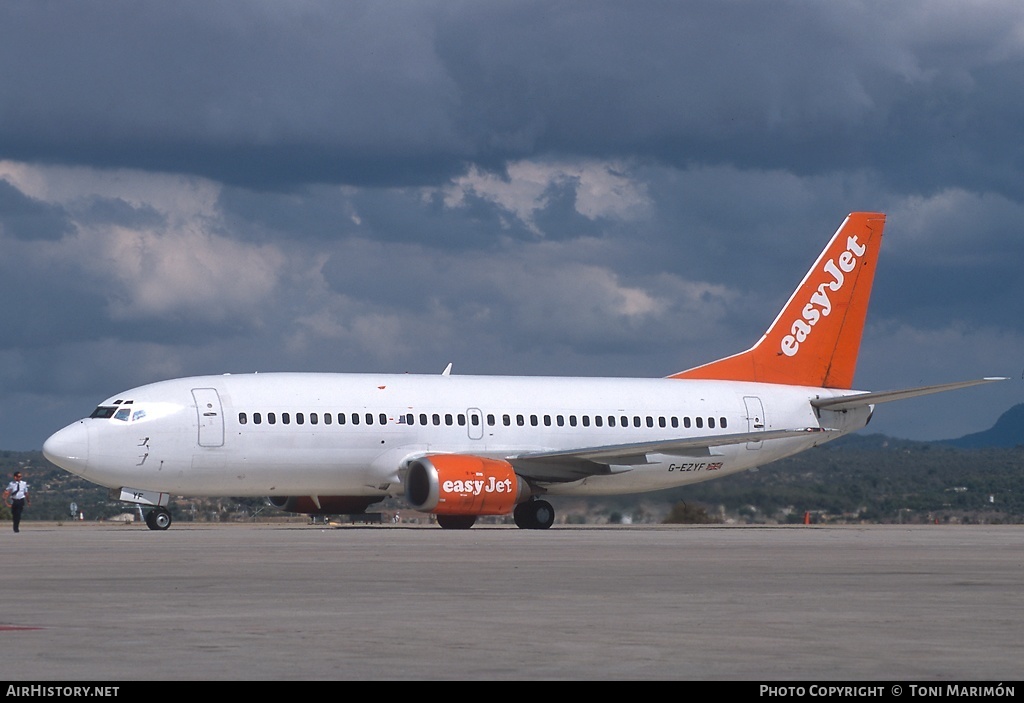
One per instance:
(555, 188)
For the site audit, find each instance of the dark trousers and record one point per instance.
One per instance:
(17, 506)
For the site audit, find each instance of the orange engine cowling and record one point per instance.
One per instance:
(458, 484)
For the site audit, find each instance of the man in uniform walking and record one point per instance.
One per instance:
(16, 497)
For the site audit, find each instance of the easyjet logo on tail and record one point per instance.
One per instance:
(820, 305)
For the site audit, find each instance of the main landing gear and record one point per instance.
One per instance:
(456, 522)
(531, 515)
(158, 518)
(534, 515)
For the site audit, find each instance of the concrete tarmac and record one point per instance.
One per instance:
(108, 603)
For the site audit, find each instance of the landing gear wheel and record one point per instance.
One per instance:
(521, 516)
(534, 515)
(456, 522)
(543, 515)
(158, 519)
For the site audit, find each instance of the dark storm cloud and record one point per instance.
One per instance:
(118, 212)
(41, 306)
(380, 93)
(598, 188)
(325, 214)
(254, 92)
(26, 218)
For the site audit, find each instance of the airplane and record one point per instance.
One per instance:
(461, 447)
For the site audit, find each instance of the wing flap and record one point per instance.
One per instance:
(575, 464)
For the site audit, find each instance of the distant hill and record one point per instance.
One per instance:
(1008, 432)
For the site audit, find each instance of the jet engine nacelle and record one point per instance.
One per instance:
(324, 505)
(458, 484)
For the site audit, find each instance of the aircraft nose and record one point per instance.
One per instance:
(69, 448)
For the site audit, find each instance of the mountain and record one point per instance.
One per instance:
(1007, 432)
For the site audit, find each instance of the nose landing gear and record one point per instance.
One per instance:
(158, 518)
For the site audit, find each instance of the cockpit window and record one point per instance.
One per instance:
(103, 412)
(138, 415)
(123, 414)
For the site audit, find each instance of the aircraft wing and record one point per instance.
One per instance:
(574, 464)
(858, 400)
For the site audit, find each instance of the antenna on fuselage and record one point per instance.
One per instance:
(447, 370)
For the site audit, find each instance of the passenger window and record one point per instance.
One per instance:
(286, 418)
(650, 421)
(299, 418)
(355, 418)
(586, 420)
(490, 419)
(624, 421)
(611, 421)
(327, 418)
(383, 418)
(711, 422)
(721, 423)
(448, 419)
(242, 419)
(520, 420)
(341, 418)
(313, 419)
(675, 421)
(461, 420)
(271, 418)
(369, 418)
(598, 420)
(533, 421)
(700, 421)
(423, 419)
(686, 422)
(257, 419)
(506, 420)
(636, 421)
(560, 420)
(547, 421)
(661, 421)
(436, 418)
(572, 421)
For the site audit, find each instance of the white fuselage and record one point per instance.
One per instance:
(287, 434)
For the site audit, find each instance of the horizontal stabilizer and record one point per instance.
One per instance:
(860, 400)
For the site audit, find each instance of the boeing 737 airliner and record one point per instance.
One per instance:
(464, 446)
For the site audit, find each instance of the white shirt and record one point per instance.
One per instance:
(17, 489)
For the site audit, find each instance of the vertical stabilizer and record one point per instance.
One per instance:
(816, 338)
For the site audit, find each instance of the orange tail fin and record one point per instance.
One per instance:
(815, 339)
